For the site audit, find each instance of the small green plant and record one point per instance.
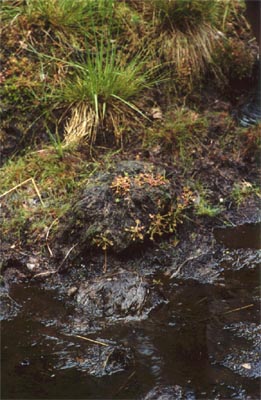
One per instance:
(167, 222)
(196, 196)
(56, 141)
(150, 179)
(136, 231)
(105, 243)
(242, 190)
(102, 241)
(204, 208)
(160, 224)
(201, 202)
(121, 185)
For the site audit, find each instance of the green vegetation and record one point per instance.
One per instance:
(202, 204)
(101, 89)
(197, 197)
(162, 221)
(62, 14)
(83, 60)
(83, 77)
(189, 34)
(241, 191)
(180, 135)
(188, 13)
(36, 190)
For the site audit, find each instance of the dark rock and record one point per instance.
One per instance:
(116, 209)
(122, 296)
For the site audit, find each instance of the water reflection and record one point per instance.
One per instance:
(203, 340)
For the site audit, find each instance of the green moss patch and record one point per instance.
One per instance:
(36, 190)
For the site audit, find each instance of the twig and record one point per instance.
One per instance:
(182, 265)
(38, 193)
(50, 227)
(238, 309)
(47, 273)
(23, 183)
(15, 187)
(90, 340)
(125, 383)
(49, 249)
(105, 261)
(228, 220)
(13, 300)
(66, 256)
(47, 235)
(200, 301)
(191, 220)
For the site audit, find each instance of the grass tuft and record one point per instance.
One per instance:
(100, 91)
(185, 34)
(67, 14)
(186, 14)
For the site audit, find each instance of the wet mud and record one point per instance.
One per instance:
(198, 341)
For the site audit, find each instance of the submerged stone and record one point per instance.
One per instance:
(122, 296)
(170, 392)
(96, 361)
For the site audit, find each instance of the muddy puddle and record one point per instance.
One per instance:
(243, 236)
(202, 343)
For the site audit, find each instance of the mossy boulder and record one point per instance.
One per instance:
(131, 203)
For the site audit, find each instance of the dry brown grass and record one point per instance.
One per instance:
(189, 54)
(82, 124)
